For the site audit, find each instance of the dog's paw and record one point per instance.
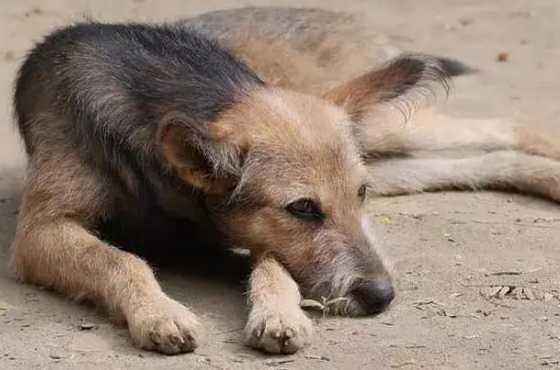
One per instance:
(165, 326)
(275, 331)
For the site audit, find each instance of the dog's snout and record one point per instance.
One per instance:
(374, 296)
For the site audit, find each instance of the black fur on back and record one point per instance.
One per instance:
(113, 82)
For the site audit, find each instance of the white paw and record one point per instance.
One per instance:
(276, 331)
(165, 326)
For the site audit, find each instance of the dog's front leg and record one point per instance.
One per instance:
(276, 322)
(64, 256)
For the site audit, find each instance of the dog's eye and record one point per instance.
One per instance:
(306, 209)
(362, 192)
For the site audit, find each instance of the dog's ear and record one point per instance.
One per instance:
(205, 156)
(400, 78)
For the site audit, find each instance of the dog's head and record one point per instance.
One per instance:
(285, 176)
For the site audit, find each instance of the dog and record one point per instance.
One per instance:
(257, 128)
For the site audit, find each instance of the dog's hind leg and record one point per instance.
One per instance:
(430, 131)
(276, 322)
(55, 247)
(506, 170)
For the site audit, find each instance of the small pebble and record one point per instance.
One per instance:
(502, 57)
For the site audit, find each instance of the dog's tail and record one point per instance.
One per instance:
(455, 68)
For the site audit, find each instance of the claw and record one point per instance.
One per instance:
(258, 332)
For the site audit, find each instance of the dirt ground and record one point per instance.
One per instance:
(451, 251)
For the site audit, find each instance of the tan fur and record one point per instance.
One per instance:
(276, 322)
(187, 162)
(308, 50)
(496, 170)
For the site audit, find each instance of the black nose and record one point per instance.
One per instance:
(374, 296)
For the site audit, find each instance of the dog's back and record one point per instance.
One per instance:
(308, 50)
(305, 49)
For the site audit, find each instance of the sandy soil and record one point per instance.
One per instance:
(449, 249)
